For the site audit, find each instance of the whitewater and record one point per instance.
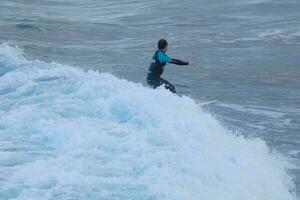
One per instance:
(66, 133)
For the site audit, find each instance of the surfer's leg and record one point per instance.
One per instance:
(167, 85)
(154, 83)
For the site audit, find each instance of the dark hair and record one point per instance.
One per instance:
(162, 43)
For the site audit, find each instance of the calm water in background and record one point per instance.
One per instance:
(244, 53)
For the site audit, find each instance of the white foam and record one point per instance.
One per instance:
(265, 111)
(86, 135)
(12, 53)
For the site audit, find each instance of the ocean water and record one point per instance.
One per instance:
(77, 120)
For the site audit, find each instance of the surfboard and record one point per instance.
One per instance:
(206, 103)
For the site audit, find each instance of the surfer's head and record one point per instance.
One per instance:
(162, 45)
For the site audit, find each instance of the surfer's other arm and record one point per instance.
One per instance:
(178, 62)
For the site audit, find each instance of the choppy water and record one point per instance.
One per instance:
(69, 134)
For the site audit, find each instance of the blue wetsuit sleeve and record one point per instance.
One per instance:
(164, 58)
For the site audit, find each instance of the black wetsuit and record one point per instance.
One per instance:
(160, 59)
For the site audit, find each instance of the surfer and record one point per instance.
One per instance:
(159, 61)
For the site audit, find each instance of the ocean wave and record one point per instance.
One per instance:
(281, 37)
(70, 134)
(270, 36)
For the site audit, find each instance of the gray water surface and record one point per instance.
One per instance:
(246, 53)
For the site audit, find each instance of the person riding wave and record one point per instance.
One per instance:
(156, 69)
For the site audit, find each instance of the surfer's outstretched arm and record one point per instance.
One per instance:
(178, 62)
